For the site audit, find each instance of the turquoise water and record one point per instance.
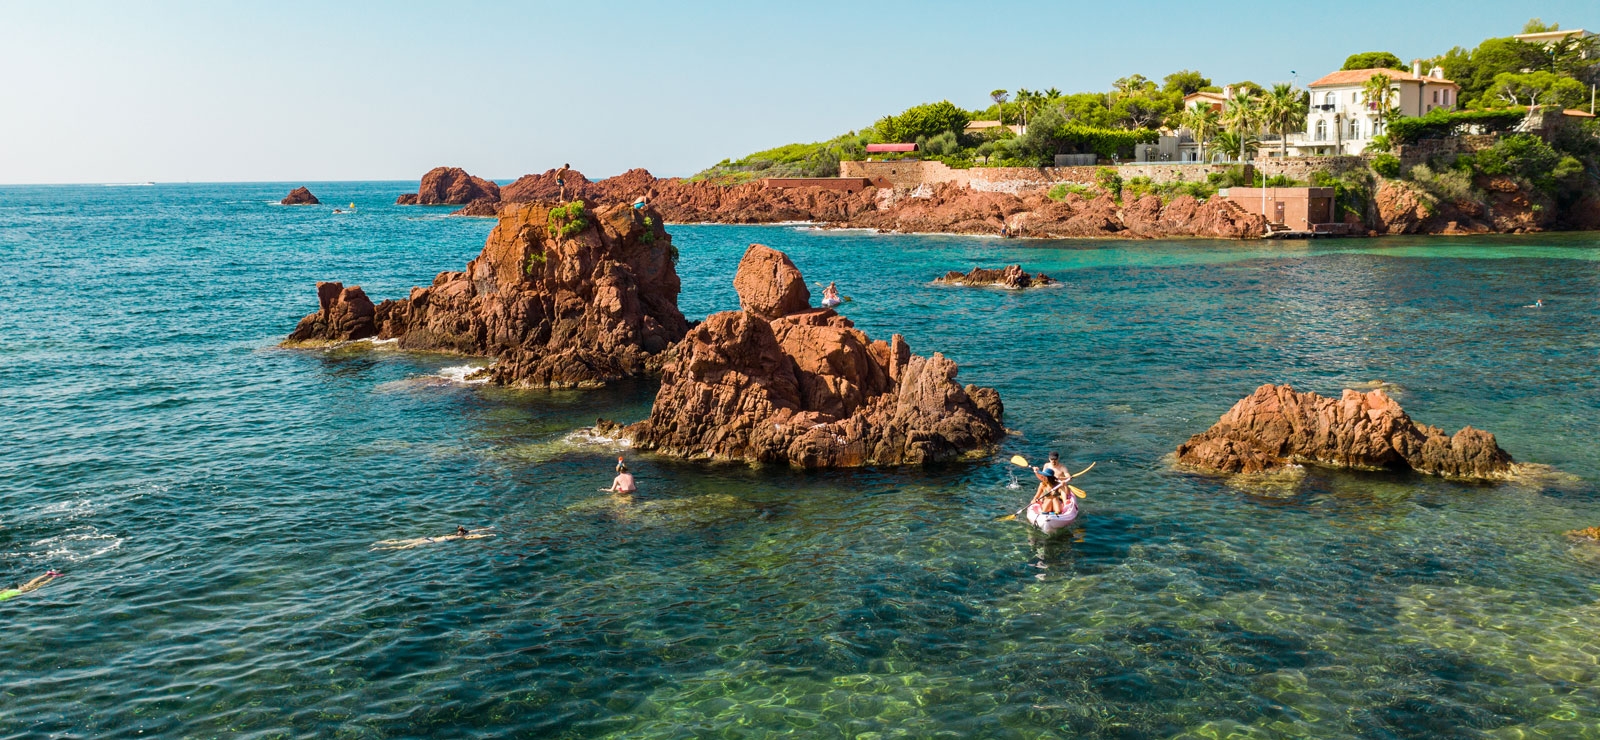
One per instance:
(212, 499)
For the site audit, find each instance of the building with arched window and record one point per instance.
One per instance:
(1341, 119)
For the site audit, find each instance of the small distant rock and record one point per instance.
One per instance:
(1012, 277)
(300, 197)
(1276, 427)
(406, 199)
(483, 207)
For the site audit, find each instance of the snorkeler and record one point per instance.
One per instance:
(461, 533)
(623, 483)
(33, 585)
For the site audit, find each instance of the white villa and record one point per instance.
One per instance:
(1342, 121)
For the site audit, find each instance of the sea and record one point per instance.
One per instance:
(213, 500)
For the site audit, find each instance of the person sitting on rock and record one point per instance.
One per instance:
(623, 483)
(640, 202)
(561, 181)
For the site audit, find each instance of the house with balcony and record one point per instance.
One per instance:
(1342, 121)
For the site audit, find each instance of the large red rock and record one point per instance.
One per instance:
(450, 186)
(769, 285)
(1276, 427)
(559, 302)
(808, 389)
(343, 314)
(1012, 277)
(300, 196)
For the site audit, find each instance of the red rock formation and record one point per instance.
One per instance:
(780, 382)
(1587, 533)
(561, 302)
(344, 314)
(300, 196)
(1275, 427)
(1012, 277)
(450, 186)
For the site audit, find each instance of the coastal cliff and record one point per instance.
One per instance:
(560, 296)
(780, 382)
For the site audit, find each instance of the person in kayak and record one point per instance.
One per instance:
(1048, 496)
(1058, 469)
(830, 296)
(623, 483)
(33, 585)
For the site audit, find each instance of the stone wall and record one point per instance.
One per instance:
(847, 184)
(912, 173)
(1300, 168)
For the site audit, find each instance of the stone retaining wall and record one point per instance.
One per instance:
(912, 173)
(1300, 168)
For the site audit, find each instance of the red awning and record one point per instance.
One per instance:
(879, 148)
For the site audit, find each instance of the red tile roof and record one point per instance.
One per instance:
(1359, 76)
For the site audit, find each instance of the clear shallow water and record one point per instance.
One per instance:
(212, 499)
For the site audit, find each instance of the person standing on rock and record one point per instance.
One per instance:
(561, 181)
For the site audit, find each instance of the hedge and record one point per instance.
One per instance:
(1438, 124)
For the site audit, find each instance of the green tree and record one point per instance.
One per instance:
(1089, 109)
(1381, 97)
(1237, 145)
(1373, 60)
(1284, 110)
(1537, 88)
(1184, 82)
(1475, 70)
(999, 97)
(930, 119)
(1534, 25)
(1201, 120)
(1241, 114)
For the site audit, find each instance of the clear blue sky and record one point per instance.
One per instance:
(175, 91)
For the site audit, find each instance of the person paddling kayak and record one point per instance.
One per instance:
(830, 296)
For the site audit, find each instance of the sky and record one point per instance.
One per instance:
(308, 92)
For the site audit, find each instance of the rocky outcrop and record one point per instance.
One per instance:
(1587, 533)
(1012, 277)
(560, 297)
(450, 186)
(781, 382)
(343, 314)
(300, 196)
(1276, 427)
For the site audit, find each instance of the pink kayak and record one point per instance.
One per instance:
(1048, 523)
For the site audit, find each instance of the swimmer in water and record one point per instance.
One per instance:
(461, 533)
(623, 483)
(33, 585)
(1538, 303)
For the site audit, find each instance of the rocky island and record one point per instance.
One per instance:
(450, 186)
(781, 382)
(1011, 277)
(300, 196)
(1276, 427)
(560, 296)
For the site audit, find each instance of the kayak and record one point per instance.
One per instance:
(1048, 523)
(832, 302)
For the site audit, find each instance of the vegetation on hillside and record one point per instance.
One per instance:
(1496, 75)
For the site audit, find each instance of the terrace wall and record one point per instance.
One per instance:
(913, 173)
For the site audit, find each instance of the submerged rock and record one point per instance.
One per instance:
(781, 382)
(1588, 533)
(1276, 427)
(450, 186)
(1012, 277)
(561, 297)
(300, 196)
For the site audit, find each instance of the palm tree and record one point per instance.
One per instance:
(1026, 99)
(1202, 119)
(1242, 113)
(1284, 109)
(999, 97)
(1380, 96)
(1237, 145)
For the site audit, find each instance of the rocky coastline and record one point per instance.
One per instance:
(1276, 427)
(1392, 208)
(778, 381)
(563, 297)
